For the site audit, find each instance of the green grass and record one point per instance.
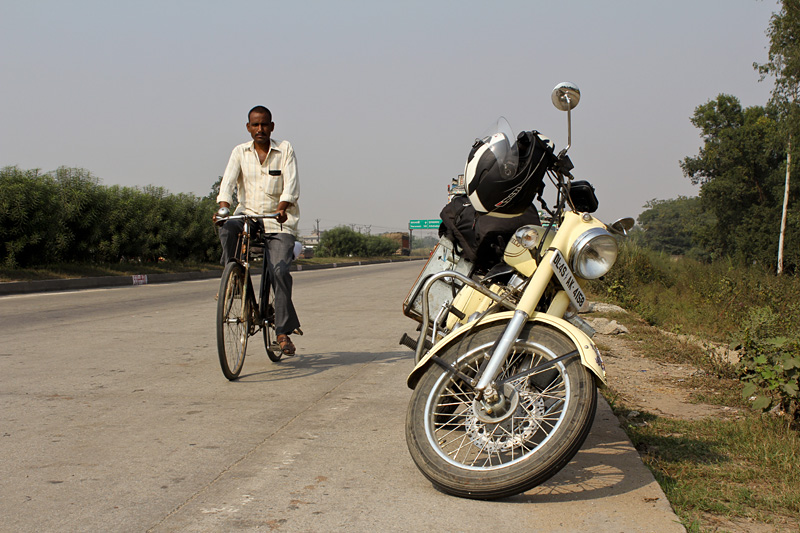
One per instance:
(69, 270)
(743, 468)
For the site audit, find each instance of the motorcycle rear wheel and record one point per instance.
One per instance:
(465, 455)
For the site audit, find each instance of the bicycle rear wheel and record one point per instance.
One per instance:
(270, 337)
(233, 320)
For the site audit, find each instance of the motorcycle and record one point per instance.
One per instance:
(506, 376)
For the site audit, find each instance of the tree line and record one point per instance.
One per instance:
(68, 216)
(746, 209)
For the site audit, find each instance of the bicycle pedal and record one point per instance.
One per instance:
(297, 331)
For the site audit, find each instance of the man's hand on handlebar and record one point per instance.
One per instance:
(281, 212)
(222, 213)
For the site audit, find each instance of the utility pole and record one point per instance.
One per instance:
(785, 205)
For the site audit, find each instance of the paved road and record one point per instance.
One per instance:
(116, 417)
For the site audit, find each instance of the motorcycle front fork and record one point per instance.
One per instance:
(485, 388)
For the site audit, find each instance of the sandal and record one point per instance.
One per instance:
(287, 347)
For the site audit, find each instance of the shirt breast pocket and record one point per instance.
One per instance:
(274, 182)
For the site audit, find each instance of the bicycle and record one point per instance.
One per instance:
(239, 314)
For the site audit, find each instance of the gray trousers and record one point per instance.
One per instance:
(278, 257)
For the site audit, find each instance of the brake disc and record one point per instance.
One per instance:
(512, 431)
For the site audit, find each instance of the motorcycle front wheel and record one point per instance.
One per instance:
(467, 452)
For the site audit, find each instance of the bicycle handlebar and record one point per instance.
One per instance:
(238, 217)
(223, 215)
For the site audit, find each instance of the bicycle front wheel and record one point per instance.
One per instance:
(233, 320)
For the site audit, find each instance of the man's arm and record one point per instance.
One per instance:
(229, 178)
(291, 185)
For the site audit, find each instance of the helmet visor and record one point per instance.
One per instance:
(502, 143)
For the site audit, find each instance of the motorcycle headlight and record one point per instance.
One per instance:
(527, 236)
(593, 254)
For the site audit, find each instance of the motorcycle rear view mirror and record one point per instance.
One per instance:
(622, 226)
(565, 97)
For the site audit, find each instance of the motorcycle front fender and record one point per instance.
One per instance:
(590, 355)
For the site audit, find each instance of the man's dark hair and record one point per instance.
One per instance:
(259, 109)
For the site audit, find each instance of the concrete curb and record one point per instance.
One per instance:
(54, 285)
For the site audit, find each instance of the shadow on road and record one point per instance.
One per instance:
(307, 365)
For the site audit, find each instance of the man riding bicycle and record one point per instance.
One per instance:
(264, 172)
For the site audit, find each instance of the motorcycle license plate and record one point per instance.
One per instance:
(564, 275)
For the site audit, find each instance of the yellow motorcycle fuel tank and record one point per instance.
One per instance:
(519, 257)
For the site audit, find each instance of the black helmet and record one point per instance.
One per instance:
(503, 173)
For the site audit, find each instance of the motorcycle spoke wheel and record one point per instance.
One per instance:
(233, 321)
(468, 452)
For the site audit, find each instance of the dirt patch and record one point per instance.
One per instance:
(657, 387)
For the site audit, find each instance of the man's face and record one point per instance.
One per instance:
(260, 127)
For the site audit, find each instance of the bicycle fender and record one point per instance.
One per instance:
(590, 355)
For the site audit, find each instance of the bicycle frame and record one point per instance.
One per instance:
(243, 249)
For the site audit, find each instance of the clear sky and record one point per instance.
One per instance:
(381, 100)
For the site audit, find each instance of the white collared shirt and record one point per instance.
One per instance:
(261, 187)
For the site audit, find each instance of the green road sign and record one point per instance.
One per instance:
(424, 224)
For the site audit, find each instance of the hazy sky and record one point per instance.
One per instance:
(381, 100)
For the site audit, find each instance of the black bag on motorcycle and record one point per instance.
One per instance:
(582, 197)
(493, 233)
(481, 238)
(458, 225)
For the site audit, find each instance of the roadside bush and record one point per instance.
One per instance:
(379, 246)
(771, 370)
(744, 305)
(67, 216)
(342, 241)
(27, 203)
(681, 294)
(770, 363)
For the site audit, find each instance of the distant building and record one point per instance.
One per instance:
(310, 240)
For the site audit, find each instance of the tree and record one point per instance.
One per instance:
(212, 195)
(784, 65)
(739, 170)
(678, 227)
